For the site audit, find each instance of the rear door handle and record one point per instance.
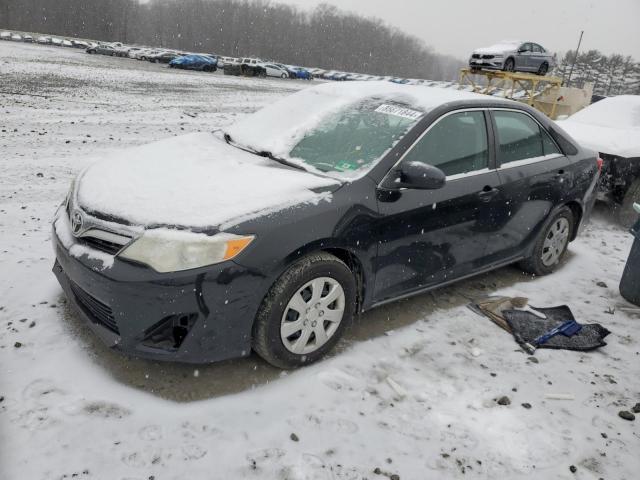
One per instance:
(487, 193)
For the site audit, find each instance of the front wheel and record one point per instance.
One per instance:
(551, 245)
(509, 65)
(305, 312)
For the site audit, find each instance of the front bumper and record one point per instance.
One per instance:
(493, 64)
(198, 316)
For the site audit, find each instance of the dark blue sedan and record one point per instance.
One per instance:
(202, 63)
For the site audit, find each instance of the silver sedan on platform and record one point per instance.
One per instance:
(513, 56)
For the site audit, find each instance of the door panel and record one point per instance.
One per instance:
(522, 58)
(426, 237)
(533, 175)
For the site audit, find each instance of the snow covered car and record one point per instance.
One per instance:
(612, 127)
(16, 37)
(272, 235)
(102, 49)
(56, 41)
(27, 38)
(513, 56)
(5, 35)
(44, 40)
(202, 63)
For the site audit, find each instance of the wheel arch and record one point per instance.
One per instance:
(344, 253)
(577, 211)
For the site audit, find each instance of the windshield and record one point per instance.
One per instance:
(351, 140)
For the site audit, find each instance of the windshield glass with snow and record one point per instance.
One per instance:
(351, 140)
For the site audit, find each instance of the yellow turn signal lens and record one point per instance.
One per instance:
(235, 246)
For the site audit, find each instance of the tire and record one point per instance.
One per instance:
(284, 75)
(544, 68)
(544, 259)
(624, 212)
(509, 65)
(277, 310)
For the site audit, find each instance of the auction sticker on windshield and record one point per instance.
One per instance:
(399, 111)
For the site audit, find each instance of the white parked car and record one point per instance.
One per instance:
(16, 38)
(222, 61)
(67, 43)
(5, 35)
(274, 70)
(44, 40)
(56, 41)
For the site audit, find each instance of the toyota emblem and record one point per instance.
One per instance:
(76, 222)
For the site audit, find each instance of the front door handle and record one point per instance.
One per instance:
(487, 193)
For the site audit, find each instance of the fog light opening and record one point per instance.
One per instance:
(170, 332)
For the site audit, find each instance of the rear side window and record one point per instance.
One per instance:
(549, 147)
(455, 144)
(519, 137)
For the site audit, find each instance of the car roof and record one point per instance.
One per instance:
(425, 97)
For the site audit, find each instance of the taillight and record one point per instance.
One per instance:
(599, 161)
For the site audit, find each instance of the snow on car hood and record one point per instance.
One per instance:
(194, 180)
(609, 126)
(501, 47)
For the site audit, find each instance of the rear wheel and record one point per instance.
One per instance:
(305, 312)
(509, 65)
(544, 68)
(551, 244)
(284, 75)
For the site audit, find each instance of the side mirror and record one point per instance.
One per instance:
(417, 175)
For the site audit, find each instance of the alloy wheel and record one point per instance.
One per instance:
(555, 241)
(312, 315)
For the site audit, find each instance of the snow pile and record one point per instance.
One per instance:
(194, 180)
(280, 126)
(609, 126)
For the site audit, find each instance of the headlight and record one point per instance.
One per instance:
(167, 250)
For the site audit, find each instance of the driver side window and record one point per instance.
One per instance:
(456, 144)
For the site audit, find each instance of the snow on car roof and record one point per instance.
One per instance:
(279, 126)
(622, 111)
(502, 45)
(609, 126)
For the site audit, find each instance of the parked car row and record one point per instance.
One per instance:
(44, 40)
(209, 62)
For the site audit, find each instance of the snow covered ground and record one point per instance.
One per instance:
(411, 392)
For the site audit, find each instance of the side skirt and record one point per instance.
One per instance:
(444, 284)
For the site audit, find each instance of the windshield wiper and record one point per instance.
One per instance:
(269, 155)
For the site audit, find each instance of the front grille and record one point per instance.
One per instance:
(488, 57)
(475, 55)
(102, 245)
(96, 310)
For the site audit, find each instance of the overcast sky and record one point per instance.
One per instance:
(457, 26)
